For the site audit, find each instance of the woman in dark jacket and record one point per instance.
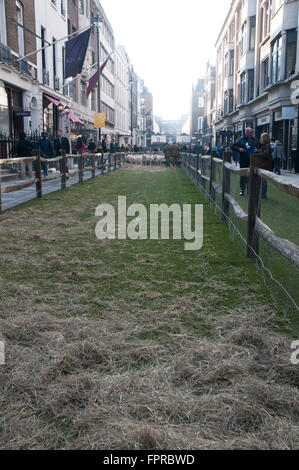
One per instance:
(265, 150)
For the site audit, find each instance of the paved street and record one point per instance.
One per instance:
(10, 200)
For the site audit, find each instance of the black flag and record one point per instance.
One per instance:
(75, 51)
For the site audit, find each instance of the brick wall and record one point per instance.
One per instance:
(29, 22)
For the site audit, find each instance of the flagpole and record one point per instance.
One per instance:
(52, 44)
(99, 74)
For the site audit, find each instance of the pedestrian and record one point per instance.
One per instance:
(46, 152)
(61, 144)
(264, 148)
(24, 149)
(167, 154)
(91, 146)
(175, 154)
(80, 146)
(198, 148)
(278, 157)
(104, 145)
(245, 145)
(112, 146)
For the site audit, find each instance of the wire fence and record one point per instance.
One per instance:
(271, 199)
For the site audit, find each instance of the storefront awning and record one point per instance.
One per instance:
(71, 115)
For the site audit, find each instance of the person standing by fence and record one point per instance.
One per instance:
(24, 149)
(61, 144)
(246, 146)
(166, 151)
(278, 156)
(265, 149)
(46, 152)
(175, 154)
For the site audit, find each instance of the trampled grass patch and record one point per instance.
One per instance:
(137, 344)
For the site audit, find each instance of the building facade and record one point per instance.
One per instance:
(257, 64)
(34, 94)
(197, 110)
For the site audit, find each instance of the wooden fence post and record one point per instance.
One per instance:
(38, 175)
(225, 186)
(0, 195)
(212, 175)
(93, 173)
(253, 206)
(80, 165)
(63, 170)
(197, 168)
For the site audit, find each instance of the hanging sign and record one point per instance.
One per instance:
(99, 120)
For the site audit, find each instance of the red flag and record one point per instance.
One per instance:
(94, 79)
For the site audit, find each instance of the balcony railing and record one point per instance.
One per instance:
(5, 54)
(24, 67)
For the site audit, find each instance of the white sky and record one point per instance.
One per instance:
(169, 42)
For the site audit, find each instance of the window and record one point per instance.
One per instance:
(266, 73)
(73, 91)
(231, 62)
(201, 102)
(243, 39)
(3, 39)
(43, 35)
(62, 7)
(232, 31)
(267, 19)
(225, 100)
(291, 51)
(252, 33)
(81, 6)
(83, 93)
(226, 65)
(250, 84)
(230, 100)
(262, 24)
(276, 60)
(20, 29)
(242, 88)
(87, 8)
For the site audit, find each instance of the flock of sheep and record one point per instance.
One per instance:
(145, 159)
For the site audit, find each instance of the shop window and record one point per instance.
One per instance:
(291, 51)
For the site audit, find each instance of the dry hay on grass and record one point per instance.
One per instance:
(84, 384)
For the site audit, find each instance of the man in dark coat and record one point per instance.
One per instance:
(166, 151)
(175, 154)
(61, 144)
(46, 152)
(24, 149)
(246, 146)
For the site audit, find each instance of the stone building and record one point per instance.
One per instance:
(257, 65)
(17, 77)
